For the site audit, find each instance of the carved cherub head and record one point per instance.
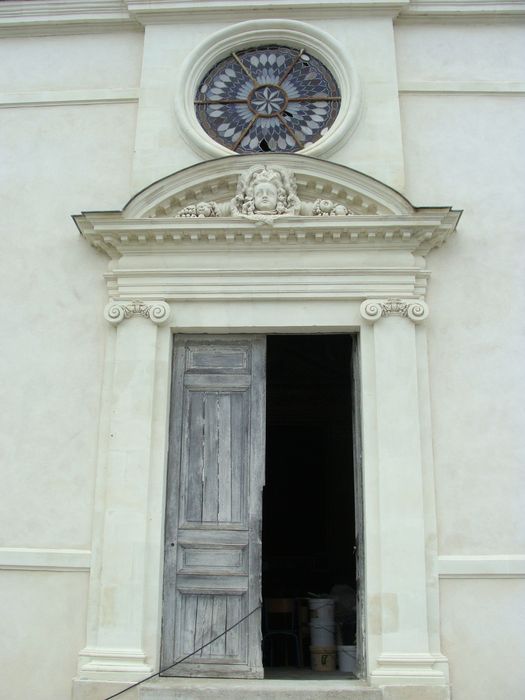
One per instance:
(266, 190)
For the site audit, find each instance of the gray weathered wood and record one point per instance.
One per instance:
(213, 506)
(210, 474)
(238, 478)
(224, 460)
(193, 458)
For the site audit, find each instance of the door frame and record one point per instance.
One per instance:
(366, 274)
(173, 483)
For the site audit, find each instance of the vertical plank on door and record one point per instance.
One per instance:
(238, 451)
(226, 483)
(193, 459)
(218, 647)
(210, 474)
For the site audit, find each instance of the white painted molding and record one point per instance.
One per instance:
(414, 309)
(467, 87)
(49, 17)
(217, 180)
(461, 9)
(156, 311)
(415, 668)
(255, 33)
(310, 281)
(33, 559)
(382, 218)
(417, 234)
(114, 663)
(58, 98)
(159, 255)
(165, 11)
(482, 566)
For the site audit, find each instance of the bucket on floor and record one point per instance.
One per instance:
(321, 609)
(322, 634)
(346, 657)
(323, 658)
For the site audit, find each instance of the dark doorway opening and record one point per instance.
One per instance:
(308, 503)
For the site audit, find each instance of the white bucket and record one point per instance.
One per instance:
(321, 609)
(322, 634)
(346, 657)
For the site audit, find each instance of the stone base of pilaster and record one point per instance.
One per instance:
(417, 669)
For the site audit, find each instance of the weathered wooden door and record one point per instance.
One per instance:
(212, 576)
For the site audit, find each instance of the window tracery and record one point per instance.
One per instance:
(267, 99)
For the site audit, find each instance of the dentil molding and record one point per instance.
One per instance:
(374, 309)
(325, 232)
(157, 311)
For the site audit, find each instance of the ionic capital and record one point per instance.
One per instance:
(117, 311)
(414, 309)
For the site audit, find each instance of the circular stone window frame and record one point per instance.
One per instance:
(251, 34)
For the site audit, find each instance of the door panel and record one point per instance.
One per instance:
(213, 506)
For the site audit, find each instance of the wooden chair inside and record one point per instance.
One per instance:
(281, 632)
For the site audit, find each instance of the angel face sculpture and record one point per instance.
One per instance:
(266, 191)
(265, 197)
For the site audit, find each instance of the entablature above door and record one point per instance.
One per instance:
(264, 226)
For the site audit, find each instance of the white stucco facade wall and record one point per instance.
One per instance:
(462, 138)
(56, 159)
(77, 134)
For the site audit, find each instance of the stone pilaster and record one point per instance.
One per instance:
(400, 600)
(115, 630)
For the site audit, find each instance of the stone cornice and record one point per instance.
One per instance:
(373, 251)
(458, 10)
(418, 233)
(165, 11)
(379, 217)
(41, 17)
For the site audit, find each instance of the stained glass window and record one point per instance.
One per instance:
(270, 98)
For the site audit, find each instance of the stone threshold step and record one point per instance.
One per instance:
(225, 689)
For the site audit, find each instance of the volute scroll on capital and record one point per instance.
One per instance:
(156, 311)
(414, 309)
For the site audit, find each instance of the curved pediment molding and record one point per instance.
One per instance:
(217, 180)
(224, 202)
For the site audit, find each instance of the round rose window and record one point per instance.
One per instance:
(271, 98)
